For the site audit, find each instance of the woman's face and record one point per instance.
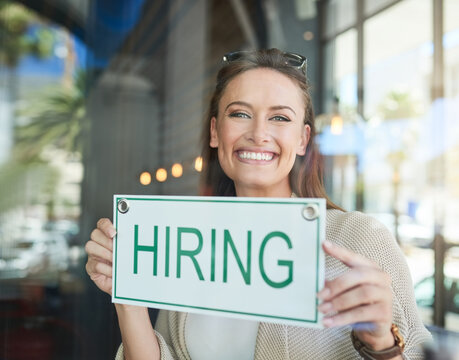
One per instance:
(259, 131)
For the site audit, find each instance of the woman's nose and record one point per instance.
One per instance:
(259, 131)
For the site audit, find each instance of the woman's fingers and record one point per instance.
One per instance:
(94, 249)
(106, 226)
(97, 267)
(101, 238)
(346, 256)
(360, 295)
(372, 313)
(100, 251)
(355, 277)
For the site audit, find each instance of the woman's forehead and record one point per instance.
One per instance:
(264, 85)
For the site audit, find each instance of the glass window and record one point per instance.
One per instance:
(340, 15)
(397, 164)
(407, 161)
(397, 71)
(339, 125)
(340, 79)
(100, 98)
(42, 111)
(451, 48)
(346, 70)
(451, 159)
(372, 6)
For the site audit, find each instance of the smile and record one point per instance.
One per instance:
(251, 155)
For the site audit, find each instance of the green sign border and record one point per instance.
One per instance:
(314, 321)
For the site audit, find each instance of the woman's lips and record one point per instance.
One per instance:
(255, 155)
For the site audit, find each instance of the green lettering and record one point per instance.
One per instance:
(166, 273)
(287, 263)
(190, 253)
(152, 249)
(229, 240)
(212, 257)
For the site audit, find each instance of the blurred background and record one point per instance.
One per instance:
(108, 96)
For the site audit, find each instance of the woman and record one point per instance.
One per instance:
(259, 141)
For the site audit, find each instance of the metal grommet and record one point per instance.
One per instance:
(311, 212)
(123, 206)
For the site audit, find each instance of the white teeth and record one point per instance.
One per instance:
(255, 155)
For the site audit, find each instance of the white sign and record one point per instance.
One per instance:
(251, 258)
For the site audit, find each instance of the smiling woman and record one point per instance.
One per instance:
(288, 105)
(258, 140)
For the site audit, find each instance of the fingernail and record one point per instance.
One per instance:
(328, 244)
(325, 307)
(112, 232)
(327, 322)
(323, 294)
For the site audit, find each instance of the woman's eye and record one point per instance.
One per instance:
(239, 115)
(280, 118)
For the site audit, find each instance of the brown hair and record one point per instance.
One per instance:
(306, 175)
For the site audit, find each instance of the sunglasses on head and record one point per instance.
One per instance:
(294, 60)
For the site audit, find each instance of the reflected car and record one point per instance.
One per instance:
(42, 253)
(410, 232)
(24, 258)
(424, 292)
(57, 251)
(68, 228)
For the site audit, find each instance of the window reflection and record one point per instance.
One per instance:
(340, 15)
(42, 113)
(407, 157)
(101, 95)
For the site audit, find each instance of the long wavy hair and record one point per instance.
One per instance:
(306, 175)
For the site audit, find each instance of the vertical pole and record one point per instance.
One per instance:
(360, 194)
(437, 91)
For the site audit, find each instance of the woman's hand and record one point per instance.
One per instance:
(362, 297)
(99, 250)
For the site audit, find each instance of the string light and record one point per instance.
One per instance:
(161, 174)
(308, 35)
(198, 164)
(145, 178)
(177, 170)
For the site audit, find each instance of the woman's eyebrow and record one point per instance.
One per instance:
(243, 103)
(275, 107)
(282, 107)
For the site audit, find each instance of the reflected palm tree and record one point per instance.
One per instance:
(22, 33)
(17, 40)
(55, 117)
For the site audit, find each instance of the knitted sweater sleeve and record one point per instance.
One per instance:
(164, 336)
(367, 236)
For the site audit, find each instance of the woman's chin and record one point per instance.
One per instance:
(261, 187)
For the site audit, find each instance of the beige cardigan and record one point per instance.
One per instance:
(359, 233)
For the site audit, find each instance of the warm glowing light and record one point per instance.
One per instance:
(396, 177)
(161, 175)
(308, 35)
(336, 125)
(198, 164)
(177, 170)
(145, 178)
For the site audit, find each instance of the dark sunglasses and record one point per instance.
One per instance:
(295, 60)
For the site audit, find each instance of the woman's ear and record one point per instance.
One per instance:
(213, 133)
(304, 140)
